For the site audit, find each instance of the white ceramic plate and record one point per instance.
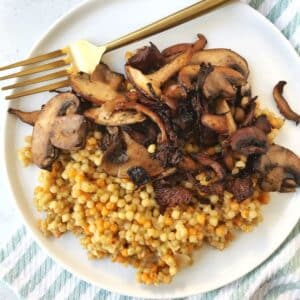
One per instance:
(270, 58)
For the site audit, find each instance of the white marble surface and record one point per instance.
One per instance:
(22, 23)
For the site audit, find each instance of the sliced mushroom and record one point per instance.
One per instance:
(188, 164)
(263, 124)
(217, 123)
(222, 82)
(69, 132)
(209, 162)
(280, 169)
(176, 49)
(104, 74)
(222, 57)
(123, 105)
(106, 115)
(150, 85)
(282, 103)
(249, 140)
(200, 43)
(174, 91)
(187, 74)
(249, 118)
(96, 92)
(147, 59)
(222, 107)
(133, 155)
(26, 117)
(43, 152)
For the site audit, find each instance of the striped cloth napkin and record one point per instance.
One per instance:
(34, 275)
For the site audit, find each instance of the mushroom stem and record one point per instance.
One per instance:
(282, 103)
(26, 117)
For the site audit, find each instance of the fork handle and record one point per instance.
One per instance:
(165, 23)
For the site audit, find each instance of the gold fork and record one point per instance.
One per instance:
(84, 56)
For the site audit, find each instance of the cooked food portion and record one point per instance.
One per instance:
(107, 115)
(282, 103)
(147, 168)
(222, 57)
(57, 122)
(280, 168)
(101, 86)
(26, 117)
(150, 85)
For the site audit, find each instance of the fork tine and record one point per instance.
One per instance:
(37, 69)
(44, 88)
(37, 80)
(35, 59)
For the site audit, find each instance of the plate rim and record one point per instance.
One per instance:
(34, 231)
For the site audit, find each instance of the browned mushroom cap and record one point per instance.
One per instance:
(222, 82)
(43, 152)
(222, 57)
(280, 169)
(217, 123)
(98, 88)
(106, 115)
(249, 140)
(29, 117)
(150, 85)
(104, 74)
(282, 103)
(147, 59)
(69, 132)
(117, 163)
(241, 188)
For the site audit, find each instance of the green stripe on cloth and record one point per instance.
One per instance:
(37, 277)
(292, 265)
(277, 10)
(78, 291)
(12, 244)
(278, 290)
(102, 295)
(256, 3)
(290, 29)
(245, 282)
(23, 261)
(56, 286)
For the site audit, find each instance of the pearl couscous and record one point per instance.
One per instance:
(112, 218)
